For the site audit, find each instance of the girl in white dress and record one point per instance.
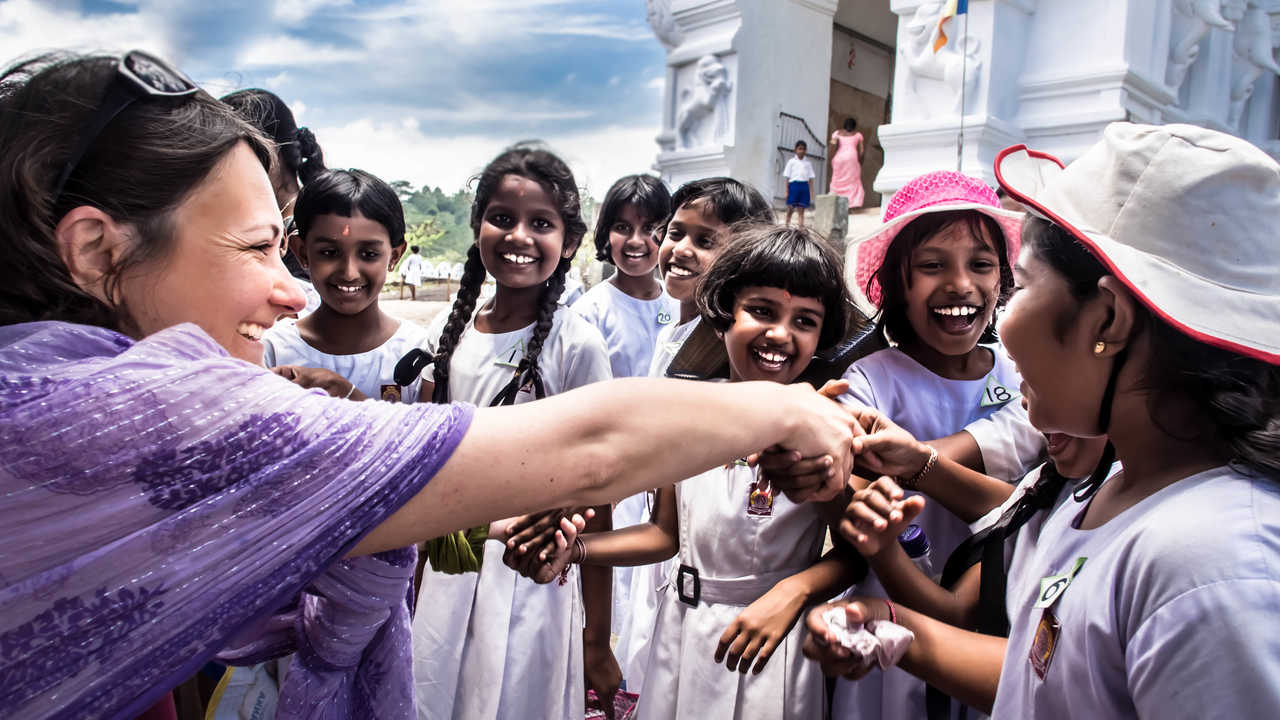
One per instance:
(749, 559)
(491, 644)
(350, 233)
(694, 235)
(936, 269)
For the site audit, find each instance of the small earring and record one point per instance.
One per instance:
(1099, 347)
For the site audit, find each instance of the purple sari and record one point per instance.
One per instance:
(162, 500)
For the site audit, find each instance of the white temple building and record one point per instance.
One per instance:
(747, 78)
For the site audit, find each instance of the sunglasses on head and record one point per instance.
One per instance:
(138, 75)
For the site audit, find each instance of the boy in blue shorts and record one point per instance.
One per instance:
(799, 174)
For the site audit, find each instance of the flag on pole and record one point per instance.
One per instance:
(950, 10)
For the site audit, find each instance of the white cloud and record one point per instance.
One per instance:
(299, 109)
(614, 81)
(275, 82)
(482, 22)
(295, 11)
(28, 27)
(288, 51)
(402, 151)
(655, 83)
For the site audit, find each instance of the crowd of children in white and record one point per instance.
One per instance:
(1066, 494)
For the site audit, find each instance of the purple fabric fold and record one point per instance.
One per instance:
(161, 498)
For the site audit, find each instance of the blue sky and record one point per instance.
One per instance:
(421, 90)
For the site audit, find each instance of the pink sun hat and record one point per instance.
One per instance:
(938, 191)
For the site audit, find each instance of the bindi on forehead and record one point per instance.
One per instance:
(346, 231)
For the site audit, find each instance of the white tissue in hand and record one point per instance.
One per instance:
(879, 640)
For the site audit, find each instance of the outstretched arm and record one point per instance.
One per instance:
(601, 442)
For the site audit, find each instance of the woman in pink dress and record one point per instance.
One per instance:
(846, 163)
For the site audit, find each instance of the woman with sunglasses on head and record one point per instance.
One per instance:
(1147, 308)
(164, 493)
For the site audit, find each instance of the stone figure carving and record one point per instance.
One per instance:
(1255, 42)
(1191, 22)
(949, 63)
(663, 22)
(704, 109)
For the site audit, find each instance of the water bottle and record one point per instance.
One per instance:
(916, 543)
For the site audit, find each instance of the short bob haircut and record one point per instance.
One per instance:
(645, 193)
(346, 192)
(895, 270)
(794, 259)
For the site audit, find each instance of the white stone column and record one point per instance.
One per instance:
(732, 67)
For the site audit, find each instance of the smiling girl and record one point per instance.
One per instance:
(491, 644)
(749, 558)
(350, 233)
(937, 269)
(694, 237)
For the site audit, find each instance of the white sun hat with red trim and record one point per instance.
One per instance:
(1185, 217)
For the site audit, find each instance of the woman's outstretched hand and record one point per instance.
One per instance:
(815, 464)
(820, 643)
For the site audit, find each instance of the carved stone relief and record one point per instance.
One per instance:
(956, 64)
(663, 22)
(1191, 22)
(703, 117)
(1255, 42)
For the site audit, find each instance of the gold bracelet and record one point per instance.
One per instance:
(581, 548)
(914, 482)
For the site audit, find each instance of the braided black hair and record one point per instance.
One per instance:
(463, 305)
(296, 147)
(527, 160)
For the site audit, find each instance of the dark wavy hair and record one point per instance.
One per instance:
(645, 193)
(345, 192)
(140, 168)
(1238, 397)
(794, 259)
(297, 147)
(894, 274)
(727, 199)
(532, 161)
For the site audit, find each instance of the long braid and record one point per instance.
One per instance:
(547, 303)
(464, 305)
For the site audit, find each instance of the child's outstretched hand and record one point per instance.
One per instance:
(877, 515)
(544, 565)
(755, 634)
(886, 449)
(821, 645)
(327, 380)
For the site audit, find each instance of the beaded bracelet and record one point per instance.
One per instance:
(914, 481)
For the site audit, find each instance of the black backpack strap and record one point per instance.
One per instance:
(411, 366)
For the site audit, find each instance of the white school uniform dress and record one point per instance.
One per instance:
(635, 634)
(372, 372)
(1172, 614)
(928, 406)
(493, 645)
(630, 327)
(739, 557)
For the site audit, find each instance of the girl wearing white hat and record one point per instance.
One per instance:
(1148, 308)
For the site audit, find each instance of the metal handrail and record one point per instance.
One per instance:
(790, 129)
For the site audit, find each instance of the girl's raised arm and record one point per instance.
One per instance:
(607, 440)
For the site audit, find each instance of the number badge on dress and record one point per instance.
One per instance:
(995, 393)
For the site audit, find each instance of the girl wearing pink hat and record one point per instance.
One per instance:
(937, 269)
(1148, 309)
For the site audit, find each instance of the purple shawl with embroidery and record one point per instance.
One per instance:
(162, 499)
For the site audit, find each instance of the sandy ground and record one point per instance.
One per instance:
(420, 312)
